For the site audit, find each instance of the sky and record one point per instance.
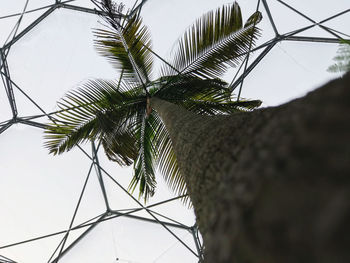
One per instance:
(39, 192)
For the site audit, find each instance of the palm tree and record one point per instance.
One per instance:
(130, 116)
(120, 115)
(258, 180)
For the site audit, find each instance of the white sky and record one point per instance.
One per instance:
(38, 192)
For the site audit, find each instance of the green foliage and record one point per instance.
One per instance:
(128, 49)
(117, 114)
(342, 58)
(215, 41)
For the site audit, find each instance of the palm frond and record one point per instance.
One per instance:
(127, 47)
(342, 58)
(167, 162)
(179, 88)
(253, 20)
(203, 96)
(216, 40)
(144, 165)
(96, 110)
(218, 107)
(120, 145)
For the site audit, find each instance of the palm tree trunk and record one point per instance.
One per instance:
(270, 185)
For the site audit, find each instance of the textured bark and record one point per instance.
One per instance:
(270, 185)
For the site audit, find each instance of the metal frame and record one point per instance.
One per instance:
(4, 259)
(102, 174)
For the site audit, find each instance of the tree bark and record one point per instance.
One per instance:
(270, 185)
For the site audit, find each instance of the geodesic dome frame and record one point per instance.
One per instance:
(250, 62)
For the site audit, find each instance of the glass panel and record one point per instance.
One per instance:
(39, 192)
(282, 17)
(6, 28)
(34, 251)
(30, 18)
(287, 19)
(297, 69)
(119, 200)
(9, 7)
(340, 24)
(319, 10)
(82, 3)
(35, 4)
(11, 12)
(316, 32)
(129, 240)
(50, 59)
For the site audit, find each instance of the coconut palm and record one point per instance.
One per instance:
(128, 116)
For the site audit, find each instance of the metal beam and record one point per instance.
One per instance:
(26, 95)
(31, 123)
(252, 66)
(34, 10)
(5, 127)
(138, 8)
(170, 219)
(199, 247)
(246, 60)
(4, 259)
(143, 207)
(7, 83)
(30, 27)
(32, 117)
(150, 220)
(99, 175)
(334, 16)
(112, 215)
(86, 224)
(64, 240)
(86, 10)
(288, 36)
(272, 22)
(92, 226)
(308, 18)
(149, 212)
(158, 204)
(313, 39)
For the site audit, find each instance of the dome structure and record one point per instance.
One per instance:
(76, 207)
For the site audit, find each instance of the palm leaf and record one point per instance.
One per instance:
(167, 162)
(179, 88)
(144, 166)
(120, 148)
(127, 47)
(253, 20)
(214, 42)
(218, 107)
(342, 58)
(96, 110)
